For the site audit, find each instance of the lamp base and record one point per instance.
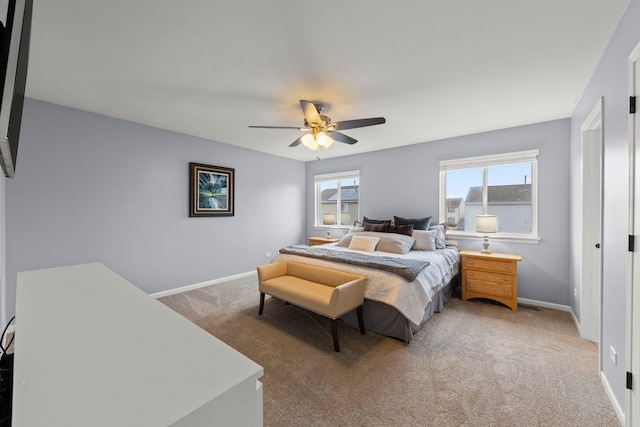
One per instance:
(485, 245)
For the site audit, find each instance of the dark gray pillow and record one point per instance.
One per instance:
(418, 223)
(376, 221)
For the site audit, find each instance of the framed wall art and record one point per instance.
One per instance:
(211, 190)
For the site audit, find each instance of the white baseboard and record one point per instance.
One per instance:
(552, 306)
(543, 304)
(201, 285)
(616, 406)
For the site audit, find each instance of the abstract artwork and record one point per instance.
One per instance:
(211, 190)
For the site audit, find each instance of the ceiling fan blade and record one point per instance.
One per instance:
(341, 137)
(310, 112)
(276, 127)
(359, 123)
(296, 142)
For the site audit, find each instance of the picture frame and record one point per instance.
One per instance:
(211, 190)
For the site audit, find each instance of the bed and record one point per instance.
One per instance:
(394, 306)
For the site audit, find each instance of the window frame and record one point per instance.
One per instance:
(338, 176)
(485, 162)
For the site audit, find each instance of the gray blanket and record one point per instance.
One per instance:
(408, 269)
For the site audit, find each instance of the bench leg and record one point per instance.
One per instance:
(360, 319)
(334, 333)
(261, 303)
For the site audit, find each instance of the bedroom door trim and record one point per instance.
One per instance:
(591, 270)
(632, 346)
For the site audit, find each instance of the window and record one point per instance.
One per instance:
(504, 185)
(337, 199)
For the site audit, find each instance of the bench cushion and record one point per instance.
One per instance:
(301, 292)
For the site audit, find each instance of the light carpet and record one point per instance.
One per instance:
(475, 364)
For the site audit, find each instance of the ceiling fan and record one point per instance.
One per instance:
(323, 132)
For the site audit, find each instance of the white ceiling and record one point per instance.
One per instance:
(209, 68)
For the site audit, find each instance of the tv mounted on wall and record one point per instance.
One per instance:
(14, 57)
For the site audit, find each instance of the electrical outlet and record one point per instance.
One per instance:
(575, 292)
(613, 355)
(267, 255)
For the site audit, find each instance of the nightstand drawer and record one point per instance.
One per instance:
(487, 276)
(490, 288)
(489, 264)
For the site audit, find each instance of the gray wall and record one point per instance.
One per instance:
(404, 182)
(610, 82)
(89, 188)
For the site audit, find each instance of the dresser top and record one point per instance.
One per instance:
(492, 255)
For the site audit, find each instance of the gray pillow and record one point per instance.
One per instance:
(395, 243)
(440, 235)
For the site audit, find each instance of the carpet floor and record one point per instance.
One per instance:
(475, 364)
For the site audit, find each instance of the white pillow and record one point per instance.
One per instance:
(364, 243)
(425, 240)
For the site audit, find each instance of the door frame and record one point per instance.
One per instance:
(632, 347)
(592, 138)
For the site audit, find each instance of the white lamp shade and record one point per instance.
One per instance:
(310, 142)
(486, 224)
(328, 219)
(329, 142)
(321, 138)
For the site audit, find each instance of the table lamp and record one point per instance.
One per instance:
(328, 219)
(486, 224)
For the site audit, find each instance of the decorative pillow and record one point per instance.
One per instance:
(368, 226)
(355, 229)
(346, 240)
(395, 243)
(440, 235)
(399, 229)
(425, 240)
(364, 243)
(376, 221)
(418, 223)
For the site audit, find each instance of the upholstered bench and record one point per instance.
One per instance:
(330, 293)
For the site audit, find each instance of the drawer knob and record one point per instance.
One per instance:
(506, 291)
(471, 285)
(506, 267)
(470, 274)
(470, 262)
(504, 279)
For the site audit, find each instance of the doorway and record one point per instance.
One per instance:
(591, 272)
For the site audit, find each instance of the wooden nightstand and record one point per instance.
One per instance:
(313, 241)
(493, 276)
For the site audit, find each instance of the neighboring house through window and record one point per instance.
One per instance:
(504, 185)
(337, 199)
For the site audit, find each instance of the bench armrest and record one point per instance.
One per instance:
(347, 296)
(269, 271)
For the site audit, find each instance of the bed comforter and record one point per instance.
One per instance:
(409, 298)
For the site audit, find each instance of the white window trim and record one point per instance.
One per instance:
(493, 160)
(329, 177)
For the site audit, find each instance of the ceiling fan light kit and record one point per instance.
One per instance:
(316, 139)
(323, 131)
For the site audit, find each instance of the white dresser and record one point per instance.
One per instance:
(91, 349)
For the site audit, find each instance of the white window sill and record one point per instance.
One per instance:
(497, 237)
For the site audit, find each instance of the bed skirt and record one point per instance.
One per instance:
(385, 320)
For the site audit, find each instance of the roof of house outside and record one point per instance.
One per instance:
(501, 194)
(454, 202)
(349, 194)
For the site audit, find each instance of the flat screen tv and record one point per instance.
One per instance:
(14, 57)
